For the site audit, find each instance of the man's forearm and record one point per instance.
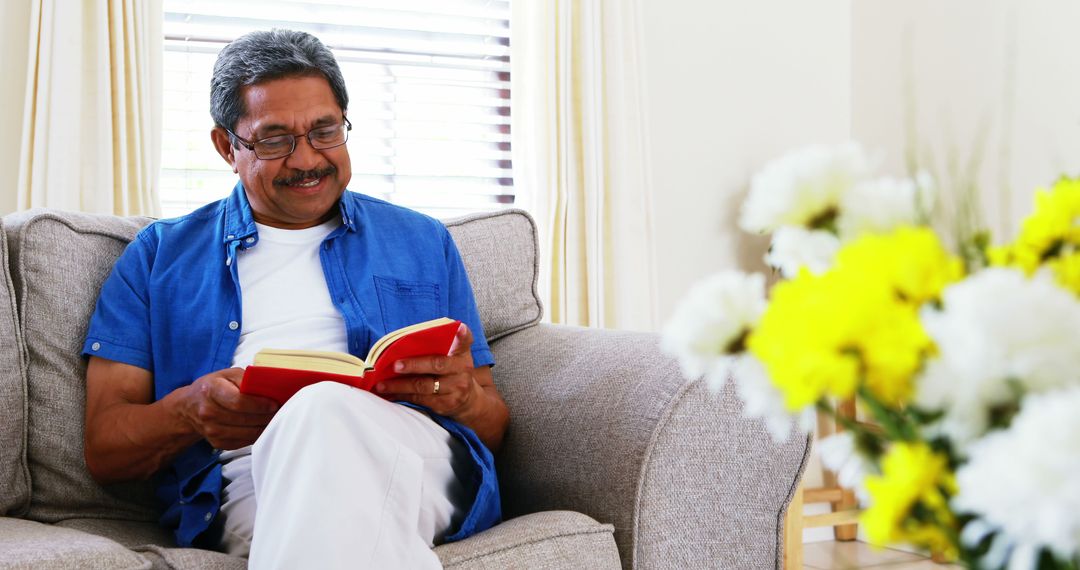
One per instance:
(133, 441)
(489, 420)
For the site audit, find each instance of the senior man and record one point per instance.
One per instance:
(337, 477)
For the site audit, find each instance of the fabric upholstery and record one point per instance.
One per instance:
(499, 251)
(131, 534)
(603, 424)
(191, 558)
(28, 545)
(155, 544)
(542, 541)
(14, 476)
(59, 261)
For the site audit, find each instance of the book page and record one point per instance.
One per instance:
(313, 360)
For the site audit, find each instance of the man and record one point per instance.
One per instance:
(337, 477)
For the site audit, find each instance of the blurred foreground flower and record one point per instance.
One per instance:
(971, 381)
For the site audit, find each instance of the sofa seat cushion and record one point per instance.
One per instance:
(14, 476)
(28, 544)
(552, 540)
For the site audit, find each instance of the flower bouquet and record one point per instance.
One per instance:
(966, 366)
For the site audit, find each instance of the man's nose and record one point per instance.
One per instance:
(304, 157)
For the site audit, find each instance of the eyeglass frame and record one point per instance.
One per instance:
(250, 145)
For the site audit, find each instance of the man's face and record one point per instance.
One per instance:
(300, 190)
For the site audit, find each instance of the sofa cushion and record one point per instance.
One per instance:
(28, 544)
(14, 477)
(552, 540)
(500, 254)
(59, 261)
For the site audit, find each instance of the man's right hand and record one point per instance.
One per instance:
(221, 414)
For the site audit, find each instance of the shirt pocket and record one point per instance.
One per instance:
(404, 303)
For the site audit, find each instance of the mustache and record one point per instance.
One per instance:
(305, 175)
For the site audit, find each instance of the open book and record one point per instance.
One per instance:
(278, 374)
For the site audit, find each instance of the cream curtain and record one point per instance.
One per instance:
(91, 134)
(580, 160)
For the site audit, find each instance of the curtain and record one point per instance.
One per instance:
(91, 132)
(579, 156)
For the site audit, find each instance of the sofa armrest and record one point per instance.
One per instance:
(603, 423)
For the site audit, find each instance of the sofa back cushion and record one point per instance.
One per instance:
(59, 261)
(14, 477)
(500, 254)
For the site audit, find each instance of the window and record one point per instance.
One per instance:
(429, 96)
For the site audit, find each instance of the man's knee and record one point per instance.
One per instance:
(324, 401)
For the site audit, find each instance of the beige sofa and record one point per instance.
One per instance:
(611, 460)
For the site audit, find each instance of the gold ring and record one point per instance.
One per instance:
(435, 388)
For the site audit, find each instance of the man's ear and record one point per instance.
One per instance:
(224, 146)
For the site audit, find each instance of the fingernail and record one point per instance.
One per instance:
(380, 387)
(399, 366)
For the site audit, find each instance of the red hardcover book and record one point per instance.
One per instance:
(278, 374)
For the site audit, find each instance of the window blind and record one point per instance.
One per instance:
(429, 96)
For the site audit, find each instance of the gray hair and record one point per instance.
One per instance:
(262, 56)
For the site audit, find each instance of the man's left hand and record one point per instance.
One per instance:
(446, 384)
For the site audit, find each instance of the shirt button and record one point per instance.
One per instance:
(250, 240)
(208, 516)
(95, 346)
(233, 325)
(230, 236)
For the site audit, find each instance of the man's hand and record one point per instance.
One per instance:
(226, 418)
(131, 436)
(452, 387)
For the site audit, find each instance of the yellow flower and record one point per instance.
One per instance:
(858, 322)
(1067, 271)
(909, 501)
(1049, 237)
(910, 261)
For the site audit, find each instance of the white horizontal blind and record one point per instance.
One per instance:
(429, 96)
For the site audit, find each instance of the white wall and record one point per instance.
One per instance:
(730, 84)
(14, 45)
(1003, 73)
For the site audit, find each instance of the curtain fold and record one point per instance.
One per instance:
(91, 133)
(580, 158)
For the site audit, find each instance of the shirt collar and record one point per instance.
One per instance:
(240, 223)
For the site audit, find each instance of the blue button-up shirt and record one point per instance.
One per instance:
(172, 306)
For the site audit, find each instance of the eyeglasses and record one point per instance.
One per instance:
(278, 146)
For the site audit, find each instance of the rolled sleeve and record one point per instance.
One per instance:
(120, 326)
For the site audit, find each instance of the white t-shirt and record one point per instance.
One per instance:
(284, 299)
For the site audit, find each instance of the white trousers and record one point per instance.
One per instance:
(344, 479)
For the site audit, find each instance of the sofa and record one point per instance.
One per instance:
(612, 459)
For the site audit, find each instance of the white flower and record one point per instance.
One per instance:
(878, 206)
(998, 335)
(762, 399)
(1025, 481)
(800, 186)
(839, 455)
(712, 318)
(793, 248)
